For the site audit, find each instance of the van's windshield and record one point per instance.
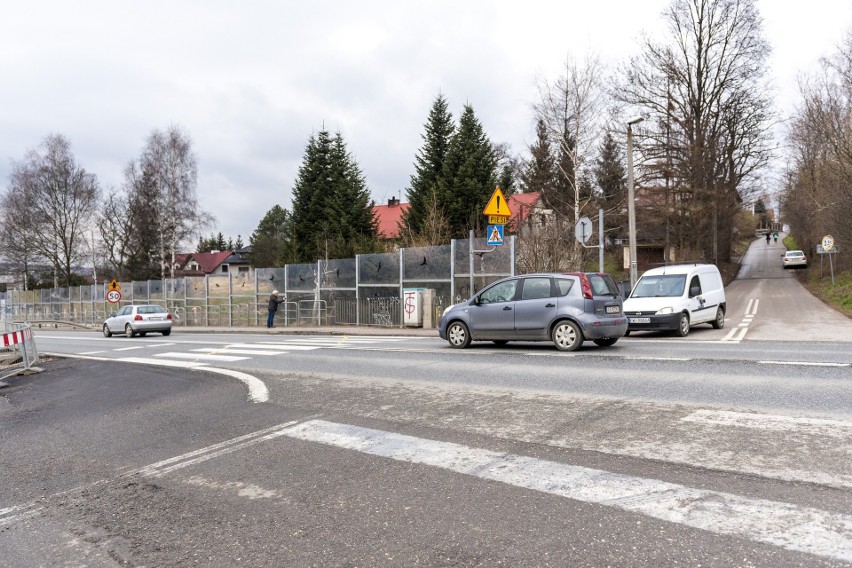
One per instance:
(660, 286)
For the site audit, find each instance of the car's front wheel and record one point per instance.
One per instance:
(107, 332)
(683, 326)
(128, 331)
(567, 336)
(719, 322)
(458, 335)
(605, 341)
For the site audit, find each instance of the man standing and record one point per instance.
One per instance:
(273, 307)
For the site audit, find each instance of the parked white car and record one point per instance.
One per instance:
(133, 320)
(676, 298)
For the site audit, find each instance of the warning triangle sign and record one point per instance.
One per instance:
(497, 205)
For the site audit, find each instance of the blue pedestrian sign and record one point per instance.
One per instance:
(495, 235)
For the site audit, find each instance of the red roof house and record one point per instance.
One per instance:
(200, 263)
(389, 218)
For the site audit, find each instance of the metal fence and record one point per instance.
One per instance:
(365, 290)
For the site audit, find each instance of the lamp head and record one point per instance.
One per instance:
(635, 120)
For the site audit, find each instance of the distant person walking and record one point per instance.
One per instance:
(273, 307)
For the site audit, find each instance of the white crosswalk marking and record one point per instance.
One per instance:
(199, 357)
(803, 529)
(229, 350)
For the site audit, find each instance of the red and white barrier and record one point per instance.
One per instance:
(22, 340)
(17, 337)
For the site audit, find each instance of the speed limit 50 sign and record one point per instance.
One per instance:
(113, 296)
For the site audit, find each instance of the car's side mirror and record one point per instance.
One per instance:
(112, 315)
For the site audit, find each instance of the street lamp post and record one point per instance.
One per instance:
(631, 198)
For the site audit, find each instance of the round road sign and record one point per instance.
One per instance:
(113, 296)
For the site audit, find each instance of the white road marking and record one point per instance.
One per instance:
(809, 426)
(200, 357)
(287, 346)
(204, 454)
(257, 388)
(160, 362)
(228, 350)
(805, 363)
(130, 348)
(735, 335)
(92, 352)
(802, 529)
(647, 358)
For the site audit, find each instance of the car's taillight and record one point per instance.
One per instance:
(168, 316)
(586, 287)
(137, 318)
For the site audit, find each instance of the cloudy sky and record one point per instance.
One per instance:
(250, 81)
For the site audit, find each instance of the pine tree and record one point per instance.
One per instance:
(429, 165)
(271, 243)
(469, 176)
(332, 214)
(539, 173)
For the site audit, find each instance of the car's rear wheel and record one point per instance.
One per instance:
(567, 336)
(166, 332)
(107, 332)
(683, 326)
(719, 322)
(128, 331)
(458, 335)
(606, 341)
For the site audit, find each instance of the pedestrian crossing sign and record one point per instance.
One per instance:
(495, 235)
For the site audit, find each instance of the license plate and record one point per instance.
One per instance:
(612, 309)
(155, 319)
(640, 320)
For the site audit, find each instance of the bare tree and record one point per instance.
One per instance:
(51, 200)
(707, 140)
(16, 248)
(435, 229)
(167, 171)
(817, 197)
(572, 109)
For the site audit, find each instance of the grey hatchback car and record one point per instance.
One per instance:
(133, 320)
(566, 308)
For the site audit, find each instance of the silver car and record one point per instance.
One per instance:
(133, 320)
(795, 259)
(564, 308)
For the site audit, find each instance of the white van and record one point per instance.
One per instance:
(676, 298)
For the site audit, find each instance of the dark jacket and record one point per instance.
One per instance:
(273, 302)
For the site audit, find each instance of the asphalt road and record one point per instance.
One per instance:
(727, 448)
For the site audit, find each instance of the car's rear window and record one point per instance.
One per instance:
(602, 285)
(150, 310)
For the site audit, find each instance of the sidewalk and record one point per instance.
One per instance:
(42, 326)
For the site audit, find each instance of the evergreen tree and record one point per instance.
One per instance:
(539, 173)
(469, 176)
(332, 213)
(144, 254)
(238, 244)
(270, 242)
(429, 165)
